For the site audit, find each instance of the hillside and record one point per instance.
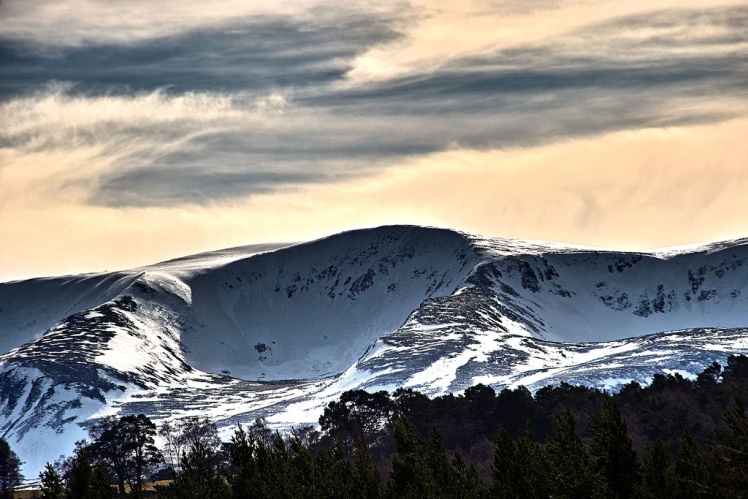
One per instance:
(279, 330)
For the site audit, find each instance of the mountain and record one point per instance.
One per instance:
(279, 330)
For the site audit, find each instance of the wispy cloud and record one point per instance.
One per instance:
(49, 26)
(631, 189)
(198, 107)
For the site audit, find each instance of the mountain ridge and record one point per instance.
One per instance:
(276, 330)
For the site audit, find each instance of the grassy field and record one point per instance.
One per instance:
(149, 489)
(27, 494)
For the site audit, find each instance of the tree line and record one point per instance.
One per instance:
(673, 438)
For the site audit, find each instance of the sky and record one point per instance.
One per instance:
(133, 132)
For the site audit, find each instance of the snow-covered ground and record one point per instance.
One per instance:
(280, 330)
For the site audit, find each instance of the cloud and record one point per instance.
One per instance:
(257, 54)
(160, 149)
(631, 189)
(59, 146)
(47, 26)
(451, 31)
(131, 114)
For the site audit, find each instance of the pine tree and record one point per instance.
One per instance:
(519, 469)
(657, 476)
(139, 432)
(299, 469)
(366, 480)
(109, 447)
(733, 453)
(690, 470)
(52, 485)
(333, 475)
(80, 476)
(198, 478)
(530, 465)
(612, 449)
(411, 476)
(570, 468)
(466, 481)
(243, 458)
(10, 470)
(503, 482)
(438, 463)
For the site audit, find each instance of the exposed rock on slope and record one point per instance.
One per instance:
(279, 330)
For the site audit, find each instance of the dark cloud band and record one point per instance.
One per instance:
(637, 71)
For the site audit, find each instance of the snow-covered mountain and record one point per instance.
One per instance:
(280, 330)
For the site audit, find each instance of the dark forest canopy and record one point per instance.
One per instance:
(675, 438)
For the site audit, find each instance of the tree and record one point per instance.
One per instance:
(248, 457)
(333, 475)
(125, 446)
(263, 469)
(10, 470)
(109, 448)
(503, 482)
(520, 468)
(101, 485)
(173, 445)
(80, 476)
(452, 478)
(194, 430)
(466, 482)
(358, 414)
(690, 470)
(657, 476)
(139, 432)
(733, 450)
(411, 476)
(530, 466)
(85, 481)
(198, 478)
(570, 468)
(180, 436)
(481, 400)
(366, 480)
(52, 485)
(615, 458)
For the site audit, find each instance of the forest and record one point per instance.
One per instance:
(674, 438)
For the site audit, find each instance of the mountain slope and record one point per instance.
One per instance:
(279, 330)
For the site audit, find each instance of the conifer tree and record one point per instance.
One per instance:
(366, 480)
(242, 454)
(100, 484)
(503, 483)
(198, 478)
(732, 457)
(139, 432)
(570, 468)
(466, 481)
(519, 469)
(612, 450)
(411, 476)
(424, 469)
(333, 475)
(438, 461)
(109, 446)
(52, 486)
(299, 469)
(657, 476)
(530, 466)
(690, 469)
(10, 470)
(453, 478)
(80, 476)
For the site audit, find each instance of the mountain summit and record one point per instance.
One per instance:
(279, 330)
